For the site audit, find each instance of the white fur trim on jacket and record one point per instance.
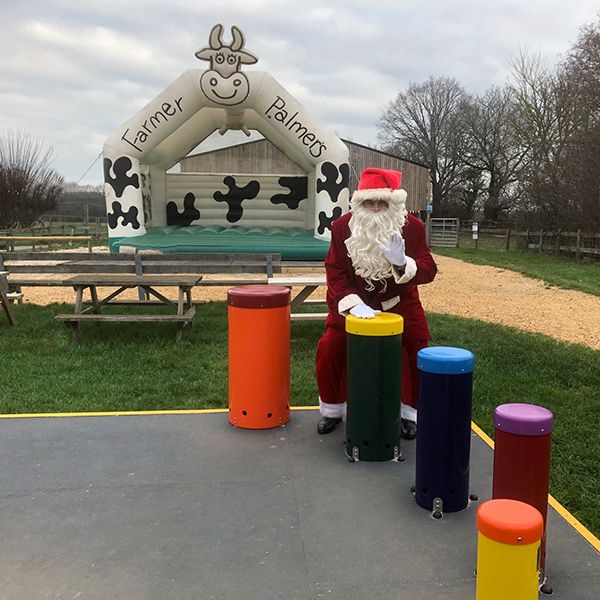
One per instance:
(410, 270)
(333, 411)
(392, 196)
(407, 412)
(348, 302)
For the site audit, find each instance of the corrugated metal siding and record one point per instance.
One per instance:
(262, 156)
(258, 211)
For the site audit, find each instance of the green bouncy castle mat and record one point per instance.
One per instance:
(292, 244)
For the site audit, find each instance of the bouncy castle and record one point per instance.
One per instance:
(149, 207)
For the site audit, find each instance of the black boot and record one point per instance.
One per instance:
(408, 429)
(328, 424)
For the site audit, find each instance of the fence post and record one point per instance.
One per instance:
(557, 242)
(541, 248)
(508, 238)
(578, 245)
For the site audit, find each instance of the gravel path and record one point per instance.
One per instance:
(473, 291)
(500, 296)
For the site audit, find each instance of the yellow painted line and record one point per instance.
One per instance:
(124, 413)
(482, 434)
(553, 502)
(132, 413)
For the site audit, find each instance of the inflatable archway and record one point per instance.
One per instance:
(139, 153)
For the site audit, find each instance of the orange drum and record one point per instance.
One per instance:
(259, 356)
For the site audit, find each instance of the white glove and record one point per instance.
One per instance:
(395, 253)
(362, 311)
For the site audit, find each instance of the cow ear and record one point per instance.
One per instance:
(247, 58)
(204, 54)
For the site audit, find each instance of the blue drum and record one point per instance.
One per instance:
(444, 434)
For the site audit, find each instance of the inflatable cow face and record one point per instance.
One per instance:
(223, 83)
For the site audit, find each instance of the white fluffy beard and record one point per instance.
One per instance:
(369, 230)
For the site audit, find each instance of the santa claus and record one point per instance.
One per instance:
(377, 258)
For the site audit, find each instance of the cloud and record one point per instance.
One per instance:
(72, 73)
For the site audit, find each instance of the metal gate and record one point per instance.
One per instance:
(444, 232)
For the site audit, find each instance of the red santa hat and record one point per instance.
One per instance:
(380, 184)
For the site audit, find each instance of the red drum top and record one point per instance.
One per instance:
(258, 296)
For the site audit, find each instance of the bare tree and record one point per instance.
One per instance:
(466, 198)
(546, 116)
(28, 185)
(581, 162)
(493, 150)
(424, 124)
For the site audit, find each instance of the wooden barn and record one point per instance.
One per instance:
(262, 157)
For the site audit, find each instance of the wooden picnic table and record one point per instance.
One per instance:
(308, 283)
(185, 309)
(4, 298)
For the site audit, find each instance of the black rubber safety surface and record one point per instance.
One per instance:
(188, 507)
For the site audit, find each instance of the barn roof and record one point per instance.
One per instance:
(347, 142)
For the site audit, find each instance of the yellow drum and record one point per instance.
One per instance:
(508, 548)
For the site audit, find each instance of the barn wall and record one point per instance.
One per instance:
(415, 178)
(261, 156)
(267, 208)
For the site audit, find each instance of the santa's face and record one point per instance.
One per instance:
(375, 206)
(371, 225)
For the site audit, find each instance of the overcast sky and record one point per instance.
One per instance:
(72, 71)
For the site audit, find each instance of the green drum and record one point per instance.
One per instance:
(374, 357)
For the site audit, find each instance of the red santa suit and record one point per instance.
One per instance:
(399, 295)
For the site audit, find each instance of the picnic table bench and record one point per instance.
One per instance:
(47, 268)
(185, 309)
(45, 239)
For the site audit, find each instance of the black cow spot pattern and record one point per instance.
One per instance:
(236, 196)
(325, 221)
(129, 218)
(298, 187)
(190, 212)
(121, 180)
(331, 185)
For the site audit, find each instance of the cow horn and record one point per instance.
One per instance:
(238, 39)
(215, 41)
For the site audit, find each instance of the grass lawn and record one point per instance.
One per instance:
(553, 270)
(140, 367)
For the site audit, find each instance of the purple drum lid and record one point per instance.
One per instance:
(523, 419)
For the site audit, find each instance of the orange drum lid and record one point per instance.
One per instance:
(258, 296)
(510, 521)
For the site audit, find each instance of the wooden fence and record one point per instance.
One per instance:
(60, 226)
(577, 244)
(574, 243)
